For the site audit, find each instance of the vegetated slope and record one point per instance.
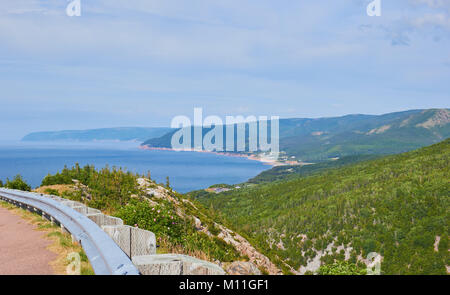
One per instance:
(324, 138)
(286, 172)
(397, 206)
(121, 134)
(180, 225)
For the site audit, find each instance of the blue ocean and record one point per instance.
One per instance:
(187, 171)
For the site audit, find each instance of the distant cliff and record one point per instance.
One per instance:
(120, 134)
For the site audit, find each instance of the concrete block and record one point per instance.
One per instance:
(97, 218)
(72, 204)
(81, 209)
(86, 210)
(143, 242)
(90, 210)
(175, 264)
(133, 241)
(102, 219)
(121, 235)
(109, 220)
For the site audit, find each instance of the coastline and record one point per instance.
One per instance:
(250, 157)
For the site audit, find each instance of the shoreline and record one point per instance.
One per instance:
(272, 163)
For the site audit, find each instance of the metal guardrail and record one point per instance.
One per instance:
(103, 253)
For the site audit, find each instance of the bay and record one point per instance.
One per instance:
(187, 171)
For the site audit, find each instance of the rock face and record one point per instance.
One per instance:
(440, 118)
(85, 193)
(242, 268)
(155, 191)
(175, 264)
(243, 246)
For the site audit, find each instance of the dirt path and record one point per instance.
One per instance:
(23, 250)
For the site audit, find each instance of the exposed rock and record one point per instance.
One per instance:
(200, 227)
(380, 129)
(436, 243)
(314, 264)
(440, 118)
(280, 245)
(242, 268)
(85, 193)
(156, 191)
(244, 247)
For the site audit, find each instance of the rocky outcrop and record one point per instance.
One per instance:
(156, 191)
(440, 118)
(244, 247)
(85, 193)
(242, 268)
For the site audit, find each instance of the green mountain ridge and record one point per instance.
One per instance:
(324, 138)
(397, 206)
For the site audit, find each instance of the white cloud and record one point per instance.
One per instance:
(439, 19)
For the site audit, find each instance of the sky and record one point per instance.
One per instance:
(143, 62)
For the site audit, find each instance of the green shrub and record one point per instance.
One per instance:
(110, 188)
(18, 183)
(50, 191)
(160, 219)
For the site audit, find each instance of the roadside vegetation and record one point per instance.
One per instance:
(17, 183)
(118, 193)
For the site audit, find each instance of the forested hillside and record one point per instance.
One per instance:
(397, 206)
(286, 172)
